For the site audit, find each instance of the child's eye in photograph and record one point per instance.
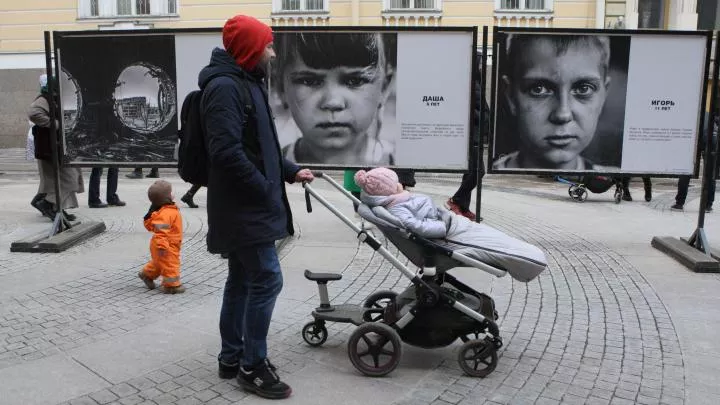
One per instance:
(333, 94)
(561, 102)
(352, 78)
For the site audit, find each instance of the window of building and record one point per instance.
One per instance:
(300, 5)
(142, 7)
(123, 8)
(412, 5)
(651, 14)
(524, 5)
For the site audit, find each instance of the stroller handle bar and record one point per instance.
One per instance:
(363, 236)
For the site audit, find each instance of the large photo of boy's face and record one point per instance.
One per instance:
(560, 102)
(333, 97)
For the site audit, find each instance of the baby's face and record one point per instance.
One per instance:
(557, 101)
(333, 108)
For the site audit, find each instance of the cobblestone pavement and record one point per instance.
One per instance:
(591, 329)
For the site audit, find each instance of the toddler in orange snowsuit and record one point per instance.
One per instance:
(163, 219)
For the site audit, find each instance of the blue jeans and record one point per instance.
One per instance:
(254, 281)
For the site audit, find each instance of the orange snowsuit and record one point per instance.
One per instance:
(166, 225)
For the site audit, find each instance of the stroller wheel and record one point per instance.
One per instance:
(478, 358)
(374, 349)
(314, 333)
(376, 304)
(572, 190)
(582, 195)
(618, 195)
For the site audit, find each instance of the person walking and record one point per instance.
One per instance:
(71, 181)
(247, 205)
(459, 203)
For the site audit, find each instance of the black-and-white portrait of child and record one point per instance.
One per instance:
(333, 97)
(560, 102)
(119, 98)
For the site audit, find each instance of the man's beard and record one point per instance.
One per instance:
(264, 67)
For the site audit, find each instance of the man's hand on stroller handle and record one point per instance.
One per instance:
(304, 175)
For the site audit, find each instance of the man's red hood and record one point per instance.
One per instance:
(245, 39)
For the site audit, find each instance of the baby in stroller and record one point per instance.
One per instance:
(417, 213)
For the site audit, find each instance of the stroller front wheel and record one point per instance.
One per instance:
(572, 190)
(478, 358)
(374, 349)
(314, 333)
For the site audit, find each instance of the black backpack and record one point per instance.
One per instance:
(193, 159)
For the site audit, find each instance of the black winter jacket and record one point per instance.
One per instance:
(246, 204)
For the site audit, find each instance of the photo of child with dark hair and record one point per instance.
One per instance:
(330, 93)
(559, 102)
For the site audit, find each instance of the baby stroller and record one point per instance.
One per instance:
(596, 185)
(435, 310)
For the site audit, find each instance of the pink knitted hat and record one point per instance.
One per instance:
(379, 181)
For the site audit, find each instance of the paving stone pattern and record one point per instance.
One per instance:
(589, 330)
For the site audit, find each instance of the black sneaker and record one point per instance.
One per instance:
(263, 381)
(676, 207)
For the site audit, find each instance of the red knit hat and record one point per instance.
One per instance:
(245, 39)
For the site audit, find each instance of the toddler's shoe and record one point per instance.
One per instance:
(172, 290)
(147, 280)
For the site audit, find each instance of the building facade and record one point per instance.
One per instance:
(22, 25)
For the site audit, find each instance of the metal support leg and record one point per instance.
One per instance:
(324, 299)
